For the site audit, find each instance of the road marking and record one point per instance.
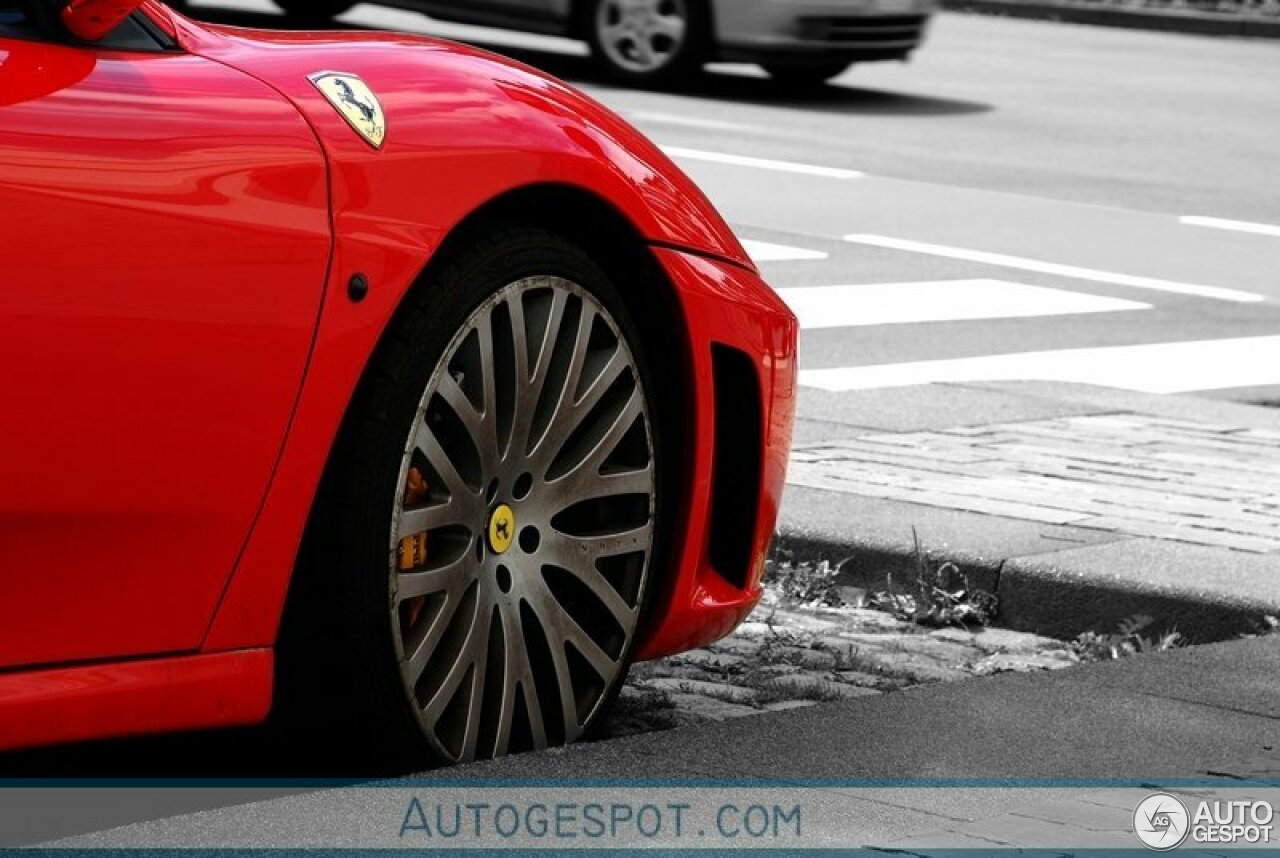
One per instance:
(939, 301)
(679, 152)
(1157, 368)
(685, 121)
(1056, 269)
(763, 251)
(1235, 225)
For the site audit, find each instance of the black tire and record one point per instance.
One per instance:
(684, 61)
(807, 76)
(340, 654)
(314, 11)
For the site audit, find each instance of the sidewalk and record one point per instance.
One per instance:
(1078, 506)
(1130, 17)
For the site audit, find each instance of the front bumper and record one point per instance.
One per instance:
(740, 409)
(820, 30)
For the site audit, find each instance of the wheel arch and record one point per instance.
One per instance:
(616, 244)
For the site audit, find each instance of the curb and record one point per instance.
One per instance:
(1167, 21)
(1089, 589)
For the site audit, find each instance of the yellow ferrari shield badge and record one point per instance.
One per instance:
(352, 98)
(502, 529)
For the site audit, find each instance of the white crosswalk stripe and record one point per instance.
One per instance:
(1232, 225)
(1169, 367)
(1156, 368)
(681, 153)
(939, 301)
(763, 251)
(1056, 269)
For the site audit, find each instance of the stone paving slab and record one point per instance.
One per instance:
(1050, 471)
(1193, 409)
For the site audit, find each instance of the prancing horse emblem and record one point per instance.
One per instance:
(356, 102)
(502, 528)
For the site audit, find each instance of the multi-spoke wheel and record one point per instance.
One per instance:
(648, 41)
(498, 502)
(525, 523)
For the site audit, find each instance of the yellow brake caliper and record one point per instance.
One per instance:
(413, 549)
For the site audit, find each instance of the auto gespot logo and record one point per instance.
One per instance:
(1163, 822)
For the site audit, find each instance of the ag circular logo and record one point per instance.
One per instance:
(1161, 821)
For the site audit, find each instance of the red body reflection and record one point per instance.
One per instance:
(178, 350)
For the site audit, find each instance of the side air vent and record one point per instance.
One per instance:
(735, 491)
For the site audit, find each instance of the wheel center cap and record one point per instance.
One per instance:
(502, 528)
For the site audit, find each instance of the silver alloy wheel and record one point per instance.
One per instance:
(642, 36)
(523, 533)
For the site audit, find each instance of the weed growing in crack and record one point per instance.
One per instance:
(1128, 639)
(942, 597)
(1263, 627)
(804, 584)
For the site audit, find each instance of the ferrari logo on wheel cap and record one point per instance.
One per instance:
(356, 102)
(502, 529)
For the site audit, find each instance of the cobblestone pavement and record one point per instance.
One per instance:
(1126, 473)
(790, 657)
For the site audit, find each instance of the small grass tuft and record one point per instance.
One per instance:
(1263, 627)
(642, 710)
(1127, 640)
(942, 597)
(803, 584)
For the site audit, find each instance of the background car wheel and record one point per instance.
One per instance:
(317, 11)
(475, 577)
(806, 75)
(648, 42)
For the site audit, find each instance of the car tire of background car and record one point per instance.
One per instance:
(806, 75)
(664, 42)
(314, 11)
(473, 578)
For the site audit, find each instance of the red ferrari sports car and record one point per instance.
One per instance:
(371, 377)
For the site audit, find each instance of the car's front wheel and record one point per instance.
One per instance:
(314, 11)
(648, 42)
(478, 575)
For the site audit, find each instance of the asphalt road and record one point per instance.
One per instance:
(1015, 198)
(1010, 204)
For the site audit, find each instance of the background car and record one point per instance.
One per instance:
(652, 42)
(370, 372)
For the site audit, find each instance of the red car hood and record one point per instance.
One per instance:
(441, 97)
